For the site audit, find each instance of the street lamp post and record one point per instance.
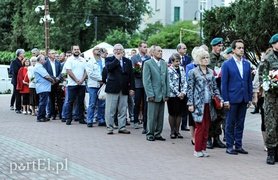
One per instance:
(188, 30)
(196, 22)
(46, 19)
(88, 23)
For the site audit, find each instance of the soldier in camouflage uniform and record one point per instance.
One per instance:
(216, 61)
(269, 63)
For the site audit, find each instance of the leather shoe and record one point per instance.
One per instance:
(82, 122)
(209, 144)
(124, 131)
(241, 151)
(160, 138)
(231, 151)
(218, 143)
(63, 120)
(270, 159)
(68, 122)
(90, 125)
(41, 120)
(254, 112)
(150, 138)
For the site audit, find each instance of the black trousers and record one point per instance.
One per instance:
(55, 96)
(17, 96)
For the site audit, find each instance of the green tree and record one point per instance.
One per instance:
(169, 36)
(254, 21)
(69, 17)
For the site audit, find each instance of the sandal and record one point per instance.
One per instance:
(173, 136)
(179, 136)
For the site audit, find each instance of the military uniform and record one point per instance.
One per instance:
(215, 127)
(269, 63)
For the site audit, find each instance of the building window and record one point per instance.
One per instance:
(176, 14)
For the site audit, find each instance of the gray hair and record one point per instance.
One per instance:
(19, 51)
(175, 56)
(35, 50)
(118, 45)
(39, 57)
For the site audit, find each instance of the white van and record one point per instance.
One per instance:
(5, 78)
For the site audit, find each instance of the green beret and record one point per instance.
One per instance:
(228, 50)
(273, 39)
(216, 41)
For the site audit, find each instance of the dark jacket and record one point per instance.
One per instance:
(119, 78)
(58, 69)
(16, 65)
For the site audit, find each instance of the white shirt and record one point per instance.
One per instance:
(53, 67)
(78, 67)
(157, 62)
(239, 66)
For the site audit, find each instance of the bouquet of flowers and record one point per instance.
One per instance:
(137, 69)
(270, 81)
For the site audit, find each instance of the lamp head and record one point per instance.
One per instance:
(88, 23)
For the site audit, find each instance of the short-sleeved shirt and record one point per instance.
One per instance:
(77, 66)
(42, 84)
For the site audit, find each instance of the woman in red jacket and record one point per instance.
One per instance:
(23, 85)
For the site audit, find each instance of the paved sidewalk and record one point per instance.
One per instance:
(52, 150)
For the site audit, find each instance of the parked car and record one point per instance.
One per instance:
(5, 78)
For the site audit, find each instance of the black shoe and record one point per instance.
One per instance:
(209, 144)
(48, 116)
(90, 125)
(54, 118)
(218, 143)
(82, 122)
(150, 138)
(231, 151)
(173, 136)
(179, 136)
(254, 112)
(160, 138)
(241, 151)
(18, 111)
(124, 131)
(63, 120)
(184, 128)
(41, 120)
(68, 122)
(270, 159)
(192, 142)
(144, 131)
(102, 124)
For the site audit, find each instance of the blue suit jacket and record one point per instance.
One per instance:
(119, 78)
(58, 68)
(236, 89)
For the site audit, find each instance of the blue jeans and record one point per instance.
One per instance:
(42, 105)
(65, 104)
(93, 103)
(73, 93)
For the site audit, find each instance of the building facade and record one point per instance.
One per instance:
(169, 11)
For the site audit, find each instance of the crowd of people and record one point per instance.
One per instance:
(47, 86)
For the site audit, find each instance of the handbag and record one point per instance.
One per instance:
(101, 92)
(215, 99)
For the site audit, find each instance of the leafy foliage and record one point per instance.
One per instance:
(20, 25)
(169, 37)
(254, 21)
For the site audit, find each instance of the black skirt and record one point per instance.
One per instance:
(176, 106)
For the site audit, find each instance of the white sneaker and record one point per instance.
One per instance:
(205, 153)
(198, 154)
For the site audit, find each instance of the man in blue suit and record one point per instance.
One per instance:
(54, 69)
(236, 86)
